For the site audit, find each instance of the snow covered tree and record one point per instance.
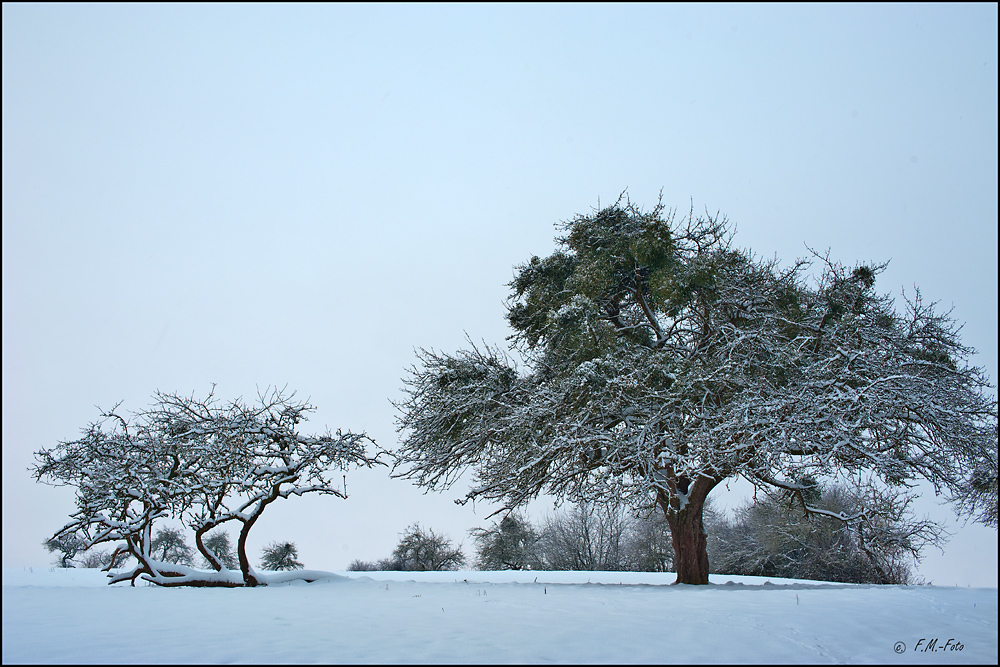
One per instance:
(280, 556)
(169, 546)
(425, 550)
(198, 461)
(662, 360)
(509, 545)
(68, 545)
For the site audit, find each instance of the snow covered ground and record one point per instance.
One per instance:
(71, 616)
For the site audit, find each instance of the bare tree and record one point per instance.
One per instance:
(649, 548)
(390, 564)
(586, 538)
(103, 559)
(198, 461)
(423, 549)
(772, 536)
(358, 565)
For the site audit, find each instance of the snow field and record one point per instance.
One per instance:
(71, 616)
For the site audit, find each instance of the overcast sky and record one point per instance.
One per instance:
(301, 195)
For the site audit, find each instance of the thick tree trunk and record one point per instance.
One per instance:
(687, 531)
(690, 546)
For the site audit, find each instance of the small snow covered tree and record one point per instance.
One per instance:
(662, 360)
(425, 550)
(279, 556)
(198, 461)
(169, 546)
(509, 545)
(68, 545)
(218, 543)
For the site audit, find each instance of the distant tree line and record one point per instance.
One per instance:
(768, 535)
(583, 537)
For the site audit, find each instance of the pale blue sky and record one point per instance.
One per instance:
(302, 194)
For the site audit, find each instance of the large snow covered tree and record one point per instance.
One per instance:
(662, 360)
(199, 461)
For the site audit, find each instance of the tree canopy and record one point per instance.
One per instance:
(661, 360)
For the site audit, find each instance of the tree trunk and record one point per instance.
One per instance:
(241, 544)
(241, 551)
(205, 551)
(687, 531)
